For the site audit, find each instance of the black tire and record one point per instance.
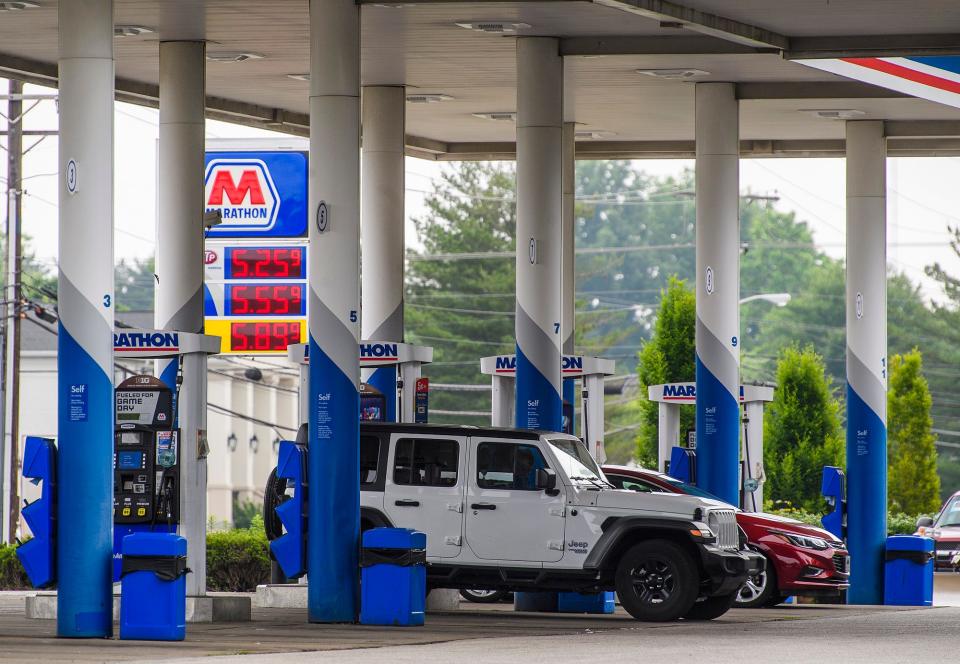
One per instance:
(657, 581)
(481, 596)
(711, 607)
(760, 591)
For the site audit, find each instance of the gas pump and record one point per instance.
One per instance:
(409, 397)
(671, 396)
(833, 487)
(146, 461)
(502, 370)
(160, 445)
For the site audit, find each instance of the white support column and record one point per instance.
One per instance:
(85, 351)
(219, 487)
(753, 454)
(382, 223)
(568, 243)
(180, 272)
(866, 359)
(539, 222)
(180, 187)
(668, 432)
(718, 290)
(334, 275)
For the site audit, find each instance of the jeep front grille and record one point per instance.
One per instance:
(724, 524)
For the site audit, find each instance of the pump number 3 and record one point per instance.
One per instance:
(107, 301)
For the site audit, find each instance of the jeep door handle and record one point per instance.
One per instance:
(483, 506)
(407, 503)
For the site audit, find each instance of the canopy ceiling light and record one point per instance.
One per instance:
(494, 27)
(131, 30)
(674, 74)
(17, 6)
(233, 56)
(593, 134)
(427, 98)
(500, 116)
(834, 113)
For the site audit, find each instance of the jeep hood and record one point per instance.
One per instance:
(659, 502)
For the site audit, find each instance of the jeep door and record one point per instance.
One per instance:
(425, 487)
(507, 517)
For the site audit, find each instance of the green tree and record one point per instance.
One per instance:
(134, 284)
(801, 430)
(668, 357)
(463, 308)
(913, 484)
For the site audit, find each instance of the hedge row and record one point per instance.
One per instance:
(237, 560)
(897, 523)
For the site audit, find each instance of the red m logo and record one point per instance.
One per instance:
(236, 193)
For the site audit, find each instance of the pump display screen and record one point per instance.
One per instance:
(258, 299)
(265, 263)
(264, 336)
(130, 461)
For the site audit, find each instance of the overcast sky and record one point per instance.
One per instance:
(923, 193)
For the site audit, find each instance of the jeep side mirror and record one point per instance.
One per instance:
(924, 522)
(546, 479)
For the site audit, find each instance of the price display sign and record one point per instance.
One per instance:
(255, 296)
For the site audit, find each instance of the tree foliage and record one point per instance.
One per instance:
(912, 485)
(668, 357)
(801, 430)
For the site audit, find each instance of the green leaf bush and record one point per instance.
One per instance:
(237, 561)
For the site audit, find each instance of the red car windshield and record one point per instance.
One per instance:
(950, 516)
(689, 489)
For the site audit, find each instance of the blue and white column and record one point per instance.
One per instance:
(382, 228)
(568, 260)
(179, 290)
(718, 290)
(334, 318)
(866, 359)
(539, 221)
(85, 348)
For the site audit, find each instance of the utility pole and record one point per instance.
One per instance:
(11, 320)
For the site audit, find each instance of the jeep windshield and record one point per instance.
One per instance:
(577, 463)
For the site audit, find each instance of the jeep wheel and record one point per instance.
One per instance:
(711, 607)
(657, 581)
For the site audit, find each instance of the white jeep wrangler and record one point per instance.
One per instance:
(531, 511)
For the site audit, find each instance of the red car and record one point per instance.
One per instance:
(801, 559)
(945, 531)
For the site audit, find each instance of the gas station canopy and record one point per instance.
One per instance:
(628, 71)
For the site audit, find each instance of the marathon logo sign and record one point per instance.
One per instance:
(506, 364)
(146, 341)
(685, 392)
(243, 191)
(572, 364)
(679, 392)
(378, 352)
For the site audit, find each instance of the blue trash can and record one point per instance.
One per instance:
(153, 587)
(908, 573)
(393, 581)
(603, 602)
